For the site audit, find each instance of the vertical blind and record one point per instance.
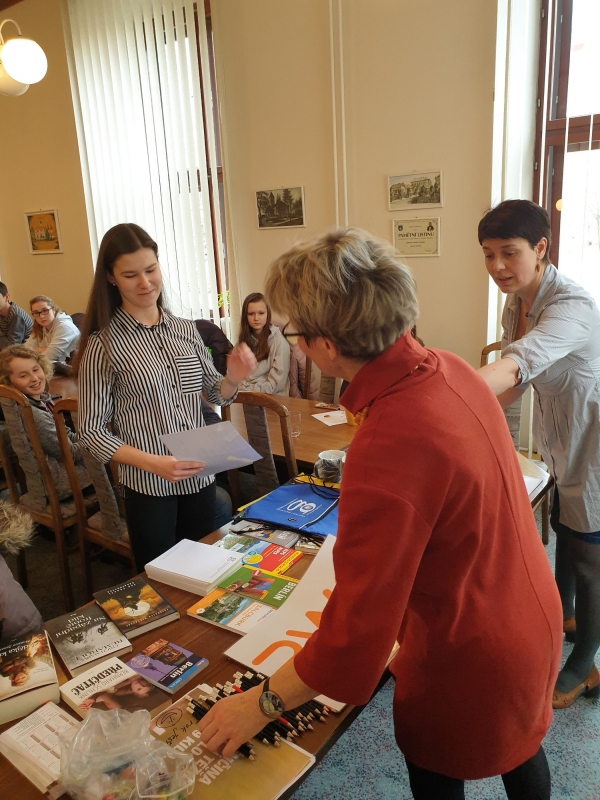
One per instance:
(147, 139)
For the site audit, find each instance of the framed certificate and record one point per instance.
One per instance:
(416, 237)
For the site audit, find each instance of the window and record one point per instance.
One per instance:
(567, 159)
(143, 80)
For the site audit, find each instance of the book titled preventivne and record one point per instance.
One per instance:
(136, 607)
(167, 665)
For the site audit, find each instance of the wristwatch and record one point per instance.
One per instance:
(270, 703)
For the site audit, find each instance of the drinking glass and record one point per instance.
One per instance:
(295, 420)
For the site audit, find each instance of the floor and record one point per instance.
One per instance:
(572, 745)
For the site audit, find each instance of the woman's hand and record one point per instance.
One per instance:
(231, 722)
(240, 363)
(169, 468)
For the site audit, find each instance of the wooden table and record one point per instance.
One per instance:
(204, 640)
(314, 436)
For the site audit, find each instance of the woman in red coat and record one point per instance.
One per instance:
(437, 546)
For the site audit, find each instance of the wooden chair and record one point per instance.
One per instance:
(307, 377)
(9, 482)
(513, 419)
(107, 528)
(42, 499)
(257, 428)
(487, 350)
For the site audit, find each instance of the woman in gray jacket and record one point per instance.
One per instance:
(272, 352)
(551, 340)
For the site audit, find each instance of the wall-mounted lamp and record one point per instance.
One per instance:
(22, 62)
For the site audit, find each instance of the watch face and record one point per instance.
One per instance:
(271, 704)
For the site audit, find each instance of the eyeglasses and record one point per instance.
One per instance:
(292, 337)
(43, 313)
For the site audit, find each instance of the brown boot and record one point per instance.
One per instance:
(589, 688)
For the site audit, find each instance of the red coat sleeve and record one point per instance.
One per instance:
(380, 543)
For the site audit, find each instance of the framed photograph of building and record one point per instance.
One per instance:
(415, 190)
(43, 232)
(281, 208)
(416, 237)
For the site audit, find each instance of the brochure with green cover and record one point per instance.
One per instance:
(260, 585)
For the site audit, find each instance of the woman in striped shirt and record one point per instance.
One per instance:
(142, 371)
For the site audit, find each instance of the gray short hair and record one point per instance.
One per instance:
(346, 286)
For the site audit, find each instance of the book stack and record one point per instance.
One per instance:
(112, 685)
(136, 607)
(32, 745)
(193, 566)
(27, 676)
(275, 558)
(85, 638)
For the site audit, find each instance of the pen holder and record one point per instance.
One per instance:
(329, 466)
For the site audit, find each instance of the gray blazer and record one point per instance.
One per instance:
(560, 356)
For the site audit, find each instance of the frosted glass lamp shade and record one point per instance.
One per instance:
(9, 86)
(24, 60)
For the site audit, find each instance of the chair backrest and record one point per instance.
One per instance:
(78, 318)
(254, 406)
(113, 524)
(41, 489)
(214, 338)
(487, 350)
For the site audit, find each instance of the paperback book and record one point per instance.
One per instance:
(167, 665)
(136, 607)
(272, 557)
(260, 585)
(266, 778)
(27, 676)
(232, 611)
(32, 745)
(265, 533)
(85, 638)
(193, 566)
(112, 685)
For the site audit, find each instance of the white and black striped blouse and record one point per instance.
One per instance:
(146, 381)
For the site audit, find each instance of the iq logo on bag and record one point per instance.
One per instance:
(298, 506)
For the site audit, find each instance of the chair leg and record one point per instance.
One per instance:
(22, 569)
(63, 566)
(86, 565)
(545, 519)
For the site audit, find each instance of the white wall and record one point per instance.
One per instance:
(417, 79)
(40, 169)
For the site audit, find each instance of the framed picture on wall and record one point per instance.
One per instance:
(415, 190)
(281, 208)
(43, 232)
(416, 237)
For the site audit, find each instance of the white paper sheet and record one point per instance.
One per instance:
(332, 417)
(532, 484)
(219, 446)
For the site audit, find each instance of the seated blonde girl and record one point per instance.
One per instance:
(272, 352)
(29, 372)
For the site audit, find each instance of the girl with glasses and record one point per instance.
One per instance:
(272, 352)
(54, 332)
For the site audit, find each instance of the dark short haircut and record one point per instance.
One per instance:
(3, 289)
(514, 219)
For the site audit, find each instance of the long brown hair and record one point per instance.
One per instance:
(105, 297)
(37, 330)
(258, 344)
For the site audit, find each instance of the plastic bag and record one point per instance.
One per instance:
(113, 756)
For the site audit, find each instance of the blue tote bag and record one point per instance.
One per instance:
(300, 507)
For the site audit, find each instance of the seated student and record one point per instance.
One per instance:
(29, 371)
(18, 615)
(15, 324)
(272, 352)
(54, 332)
